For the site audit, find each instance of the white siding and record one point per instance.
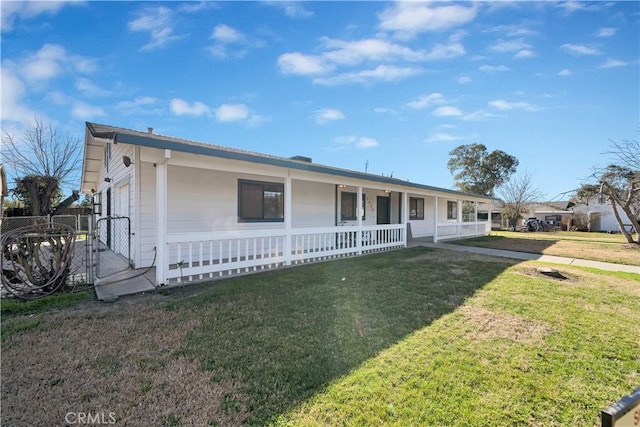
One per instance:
(424, 228)
(313, 204)
(148, 216)
(119, 176)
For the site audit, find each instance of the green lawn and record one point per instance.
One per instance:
(592, 246)
(412, 337)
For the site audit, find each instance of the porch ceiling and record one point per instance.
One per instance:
(92, 164)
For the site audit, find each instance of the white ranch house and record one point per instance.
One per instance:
(199, 211)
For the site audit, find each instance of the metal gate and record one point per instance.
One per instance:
(112, 245)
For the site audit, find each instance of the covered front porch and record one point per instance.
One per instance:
(306, 217)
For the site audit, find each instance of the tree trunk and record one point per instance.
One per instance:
(613, 198)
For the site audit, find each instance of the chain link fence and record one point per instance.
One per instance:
(113, 246)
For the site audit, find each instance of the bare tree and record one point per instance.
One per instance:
(41, 160)
(619, 182)
(518, 193)
(43, 150)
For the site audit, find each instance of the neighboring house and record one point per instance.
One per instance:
(552, 214)
(606, 220)
(562, 214)
(199, 211)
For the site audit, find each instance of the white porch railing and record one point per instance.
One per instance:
(462, 230)
(198, 256)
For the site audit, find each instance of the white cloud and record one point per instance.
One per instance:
(424, 101)
(299, 63)
(139, 101)
(442, 137)
(579, 49)
(365, 142)
(50, 61)
(140, 105)
(355, 52)
(44, 64)
(447, 111)
(12, 94)
(493, 68)
(510, 45)
(613, 63)
(362, 142)
(380, 73)
(463, 80)
(445, 51)
(572, 6)
(606, 32)
(292, 9)
(565, 72)
(89, 88)
(225, 34)
(229, 42)
(479, 115)
(158, 23)
(12, 11)
(407, 18)
(513, 30)
(180, 107)
(503, 105)
(83, 111)
(525, 53)
(327, 115)
(232, 112)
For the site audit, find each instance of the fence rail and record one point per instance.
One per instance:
(450, 231)
(208, 255)
(80, 223)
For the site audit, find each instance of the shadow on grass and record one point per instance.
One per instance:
(285, 335)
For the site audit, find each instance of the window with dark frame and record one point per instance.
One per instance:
(348, 206)
(416, 208)
(452, 210)
(260, 201)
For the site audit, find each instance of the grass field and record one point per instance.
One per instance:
(412, 337)
(592, 246)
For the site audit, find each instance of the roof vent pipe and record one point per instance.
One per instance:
(150, 130)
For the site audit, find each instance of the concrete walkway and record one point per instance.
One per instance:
(531, 257)
(128, 282)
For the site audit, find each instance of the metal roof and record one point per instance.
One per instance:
(147, 139)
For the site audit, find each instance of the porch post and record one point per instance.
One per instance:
(161, 227)
(475, 215)
(459, 217)
(359, 214)
(488, 228)
(435, 219)
(287, 220)
(405, 217)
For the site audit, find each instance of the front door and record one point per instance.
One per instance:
(383, 210)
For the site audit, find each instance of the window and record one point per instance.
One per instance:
(452, 210)
(416, 208)
(348, 206)
(260, 201)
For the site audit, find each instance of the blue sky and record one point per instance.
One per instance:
(394, 86)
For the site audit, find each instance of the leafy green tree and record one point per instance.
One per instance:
(38, 193)
(479, 172)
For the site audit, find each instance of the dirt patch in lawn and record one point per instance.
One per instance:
(487, 324)
(120, 363)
